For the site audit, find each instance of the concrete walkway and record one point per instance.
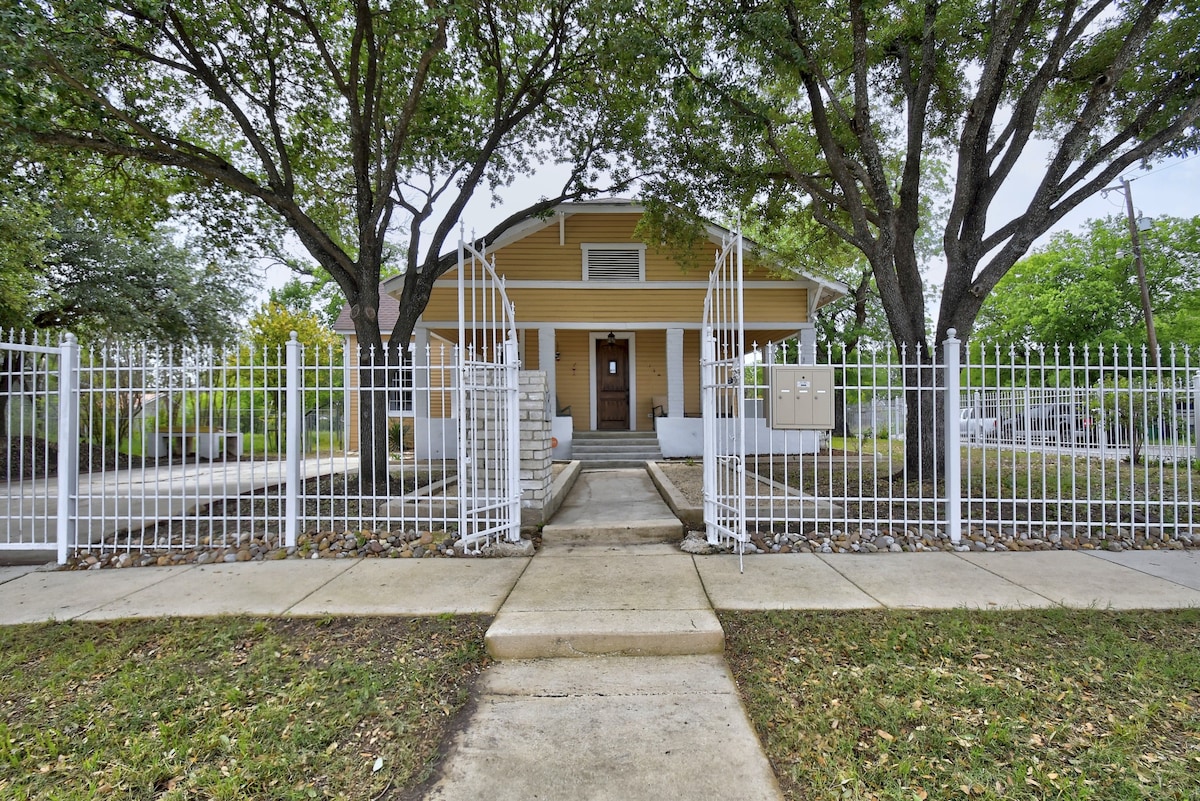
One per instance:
(611, 683)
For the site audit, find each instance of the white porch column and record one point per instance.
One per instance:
(420, 362)
(808, 344)
(547, 365)
(674, 372)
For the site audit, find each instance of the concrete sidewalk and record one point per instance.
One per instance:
(547, 584)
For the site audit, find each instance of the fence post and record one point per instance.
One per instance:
(292, 451)
(512, 372)
(68, 444)
(952, 437)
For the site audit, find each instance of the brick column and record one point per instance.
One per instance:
(535, 446)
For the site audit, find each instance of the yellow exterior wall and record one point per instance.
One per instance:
(582, 307)
(531, 360)
(574, 387)
(596, 303)
(650, 370)
(540, 257)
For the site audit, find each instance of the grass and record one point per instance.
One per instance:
(974, 705)
(999, 484)
(230, 708)
(1086, 705)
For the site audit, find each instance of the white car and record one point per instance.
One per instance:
(972, 425)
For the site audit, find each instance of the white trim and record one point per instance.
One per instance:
(650, 325)
(529, 283)
(547, 346)
(595, 336)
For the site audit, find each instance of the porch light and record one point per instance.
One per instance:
(612, 338)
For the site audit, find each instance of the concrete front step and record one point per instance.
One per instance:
(596, 602)
(613, 447)
(613, 464)
(629, 532)
(616, 448)
(605, 632)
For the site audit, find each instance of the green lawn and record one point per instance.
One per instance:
(852, 705)
(230, 708)
(964, 705)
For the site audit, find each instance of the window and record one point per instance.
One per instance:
(614, 262)
(400, 385)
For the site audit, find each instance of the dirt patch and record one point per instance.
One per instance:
(688, 479)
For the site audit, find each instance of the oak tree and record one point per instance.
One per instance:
(840, 108)
(351, 125)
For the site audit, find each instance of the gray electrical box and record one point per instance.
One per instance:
(801, 397)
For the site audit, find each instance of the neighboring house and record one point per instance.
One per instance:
(613, 323)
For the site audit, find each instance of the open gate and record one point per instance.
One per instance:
(489, 486)
(723, 392)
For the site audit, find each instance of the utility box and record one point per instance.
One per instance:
(801, 397)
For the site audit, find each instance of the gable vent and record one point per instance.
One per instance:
(613, 262)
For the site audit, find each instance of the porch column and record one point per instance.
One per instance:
(547, 365)
(808, 344)
(674, 372)
(420, 390)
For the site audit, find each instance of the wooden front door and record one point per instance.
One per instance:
(612, 385)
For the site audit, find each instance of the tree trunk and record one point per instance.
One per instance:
(373, 420)
(372, 391)
(924, 445)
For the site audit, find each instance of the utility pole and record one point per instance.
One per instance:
(1135, 238)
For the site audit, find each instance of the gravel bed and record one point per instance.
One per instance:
(267, 546)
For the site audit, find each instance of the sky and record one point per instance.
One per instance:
(1168, 188)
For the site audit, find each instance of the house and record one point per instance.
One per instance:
(613, 322)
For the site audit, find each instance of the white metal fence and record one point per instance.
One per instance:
(1027, 450)
(239, 451)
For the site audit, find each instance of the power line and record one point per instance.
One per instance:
(1164, 167)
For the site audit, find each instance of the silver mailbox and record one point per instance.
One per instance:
(801, 397)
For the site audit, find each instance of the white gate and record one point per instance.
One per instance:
(723, 392)
(38, 428)
(489, 485)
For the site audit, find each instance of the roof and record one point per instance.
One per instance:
(389, 312)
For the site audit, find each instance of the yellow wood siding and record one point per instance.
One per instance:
(651, 373)
(574, 379)
(532, 353)
(691, 373)
(786, 304)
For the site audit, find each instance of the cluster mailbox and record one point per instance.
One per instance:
(801, 397)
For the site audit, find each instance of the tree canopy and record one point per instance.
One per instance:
(355, 126)
(837, 110)
(1081, 288)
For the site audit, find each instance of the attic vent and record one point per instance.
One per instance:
(615, 262)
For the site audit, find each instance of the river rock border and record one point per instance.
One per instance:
(247, 547)
(916, 540)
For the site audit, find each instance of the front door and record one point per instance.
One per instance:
(612, 385)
